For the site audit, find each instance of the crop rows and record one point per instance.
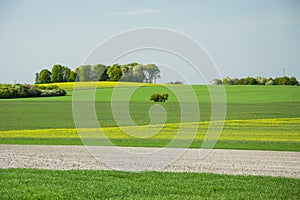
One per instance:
(275, 130)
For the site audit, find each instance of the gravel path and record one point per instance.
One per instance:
(271, 163)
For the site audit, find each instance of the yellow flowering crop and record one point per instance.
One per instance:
(273, 130)
(100, 84)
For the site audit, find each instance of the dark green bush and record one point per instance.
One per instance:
(159, 98)
(165, 97)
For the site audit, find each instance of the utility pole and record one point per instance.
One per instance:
(283, 71)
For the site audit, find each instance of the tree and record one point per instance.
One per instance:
(152, 73)
(242, 81)
(270, 81)
(98, 72)
(227, 81)
(282, 80)
(235, 81)
(61, 74)
(126, 73)
(72, 76)
(293, 81)
(251, 81)
(138, 73)
(57, 73)
(37, 77)
(45, 76)
(216, 82)
(261, 80)
(84, 72)
(104, 76)
(114, 72)
(66, 74)
(132, 72)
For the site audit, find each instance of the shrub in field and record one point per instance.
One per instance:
(159, 98)
(27, 90)
(165, 97)
(154, 97)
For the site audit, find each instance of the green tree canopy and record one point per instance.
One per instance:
(152, 73)
(84, 72)
(45, 76)
(72, 76)
(132, 72)
(98, 71)
(114, 72)
(57, 73)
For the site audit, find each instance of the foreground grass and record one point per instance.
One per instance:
(258, 134)
(74, 184)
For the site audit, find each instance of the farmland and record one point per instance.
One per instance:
(264, 134)
(258, 117)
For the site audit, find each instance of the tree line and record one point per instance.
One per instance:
(256, 81)
(133, 72)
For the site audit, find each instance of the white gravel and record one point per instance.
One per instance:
(270, 163)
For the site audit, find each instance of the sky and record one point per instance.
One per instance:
(243, 38)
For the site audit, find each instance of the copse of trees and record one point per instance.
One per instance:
(62, 74)
(256, 81)
(133, 72)
(58, 73)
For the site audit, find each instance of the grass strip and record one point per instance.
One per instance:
(91, 184)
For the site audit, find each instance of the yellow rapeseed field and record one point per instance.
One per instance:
(274, 130)
(100, 84)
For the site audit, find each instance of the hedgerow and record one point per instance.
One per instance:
(27, 90)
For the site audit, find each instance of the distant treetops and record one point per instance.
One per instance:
(256, 81)
(133, 72)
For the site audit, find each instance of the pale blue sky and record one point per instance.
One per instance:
(244, 38)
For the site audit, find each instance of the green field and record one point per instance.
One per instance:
(258, 117)
(89, 184)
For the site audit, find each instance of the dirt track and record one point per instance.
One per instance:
(271, 163)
